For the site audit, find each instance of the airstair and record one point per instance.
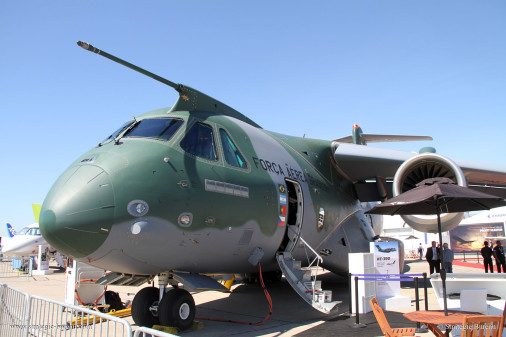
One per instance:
(304, 280)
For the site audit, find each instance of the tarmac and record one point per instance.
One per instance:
(291, 316)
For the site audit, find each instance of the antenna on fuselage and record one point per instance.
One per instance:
(189, 99)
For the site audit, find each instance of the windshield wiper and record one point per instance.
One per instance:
(121, 134)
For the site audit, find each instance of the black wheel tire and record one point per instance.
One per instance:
(177, 309)
(140, 307)
(251, 278)
(272, 277)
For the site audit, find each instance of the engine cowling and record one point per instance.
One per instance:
(418, 168)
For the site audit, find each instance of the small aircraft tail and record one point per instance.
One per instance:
(11, 230)
(359, 138)
(36, 211)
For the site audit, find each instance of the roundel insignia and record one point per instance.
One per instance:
(282, 188)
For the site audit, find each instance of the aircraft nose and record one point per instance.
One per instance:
(78, 212)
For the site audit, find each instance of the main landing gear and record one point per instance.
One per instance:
(168, 307)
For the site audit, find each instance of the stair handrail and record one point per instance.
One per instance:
(318, 256)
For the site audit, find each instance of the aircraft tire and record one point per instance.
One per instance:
(270, 277)
(143, 300)
(177, 309)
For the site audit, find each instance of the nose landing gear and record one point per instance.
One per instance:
(144, 301)
(176, 308)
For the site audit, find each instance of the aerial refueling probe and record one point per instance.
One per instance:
(89, 47)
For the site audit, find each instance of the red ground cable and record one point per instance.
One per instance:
(269, 300)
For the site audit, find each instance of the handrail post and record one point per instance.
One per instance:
(419, 328)
(357, 323)
(356, 301)
(425, 294)
(464, 256)
(417, 300)
(350, 295)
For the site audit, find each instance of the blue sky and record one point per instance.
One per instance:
(314, 68)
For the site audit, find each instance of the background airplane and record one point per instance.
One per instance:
(27, 241)
(199, 189)
(461, 240)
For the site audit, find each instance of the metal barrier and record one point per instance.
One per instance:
(14, 311)
(387, 278)
(24, 315)
(147, 332)
(15, 267)
(470, 255)
(53, 318)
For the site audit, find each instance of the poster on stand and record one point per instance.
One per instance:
(472, 236)
(386, 262)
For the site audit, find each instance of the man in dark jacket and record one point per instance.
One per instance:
(487, 253)
(499, 257)
(433, 256)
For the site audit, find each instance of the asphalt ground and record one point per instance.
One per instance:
(291, 316)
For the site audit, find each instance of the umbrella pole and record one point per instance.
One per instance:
(442, 271)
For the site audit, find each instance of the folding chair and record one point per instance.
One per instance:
(385, 326)
(481, 326)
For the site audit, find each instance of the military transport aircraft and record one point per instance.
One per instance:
(385, 250)
(199, 189)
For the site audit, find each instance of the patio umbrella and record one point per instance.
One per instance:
(436, 196)
(411, 237)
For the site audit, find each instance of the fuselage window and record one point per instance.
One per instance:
(199, 142)
(157, 128)
(232, 154)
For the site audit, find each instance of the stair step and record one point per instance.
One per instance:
(302, 282)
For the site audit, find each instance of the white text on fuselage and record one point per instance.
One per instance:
(274, 167)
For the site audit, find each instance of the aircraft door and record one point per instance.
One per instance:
(294, 215)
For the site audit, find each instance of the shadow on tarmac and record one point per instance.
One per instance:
(247, 303)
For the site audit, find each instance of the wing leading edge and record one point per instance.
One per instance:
(369, 166)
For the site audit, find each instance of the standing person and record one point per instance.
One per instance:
(487, 253)
(420, 251)
(447, 258)
(433, 256)
(499, 257)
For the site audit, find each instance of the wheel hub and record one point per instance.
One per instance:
(184, 311)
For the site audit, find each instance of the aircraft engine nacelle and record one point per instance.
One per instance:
(418, 168)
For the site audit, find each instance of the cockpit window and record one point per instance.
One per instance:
(29, 231)
(199, 142)
(232, 154)
(158, 128)
(120, 130)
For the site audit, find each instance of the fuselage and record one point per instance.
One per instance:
(24, 243)
(198, 193)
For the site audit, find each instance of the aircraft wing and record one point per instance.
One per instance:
(483, 174)
(360, 163)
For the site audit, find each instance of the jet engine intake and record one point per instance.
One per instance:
(418, 168)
